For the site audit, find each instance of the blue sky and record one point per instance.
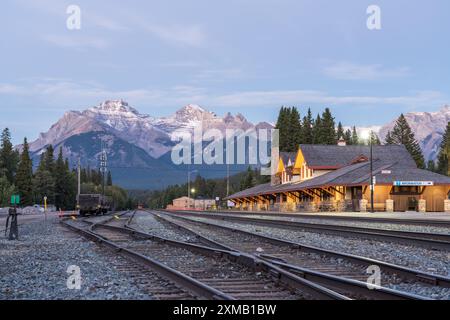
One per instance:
(248, 56)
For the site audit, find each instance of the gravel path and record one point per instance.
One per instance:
(35, 267)
(436, 262)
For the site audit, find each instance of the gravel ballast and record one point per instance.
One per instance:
(35, 267)
(435, 262)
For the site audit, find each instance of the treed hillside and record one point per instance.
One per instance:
(53, 178)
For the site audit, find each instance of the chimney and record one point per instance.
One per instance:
(341, 142)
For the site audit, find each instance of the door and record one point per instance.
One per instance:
(356, 197)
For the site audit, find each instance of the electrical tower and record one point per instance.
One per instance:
(103, 166)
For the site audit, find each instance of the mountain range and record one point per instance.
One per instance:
(428, 128)
(139, 145)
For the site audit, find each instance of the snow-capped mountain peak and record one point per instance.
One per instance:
(190, 113)
(115, 107)
(428, 128)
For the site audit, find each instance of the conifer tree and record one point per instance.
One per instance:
(6, 191)
(355, 138)
(389, 139)
(317, 130)
(348, 137)
(328, 131)
(44, 180)
(307, 128)
(443, 164)
(295, 130)
(403, 135)
(24, 176)
(340, 134)
(431, 166)
(109, 180)
(8, 156)
(281, 125)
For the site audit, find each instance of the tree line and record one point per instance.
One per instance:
(295, 130)
(52, 178)
(202, 188)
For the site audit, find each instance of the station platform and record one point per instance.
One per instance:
(438, 216)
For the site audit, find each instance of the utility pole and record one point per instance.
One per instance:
(79, 177)
(103, 167)
(189, 187)
(372, 187)
(228, 179)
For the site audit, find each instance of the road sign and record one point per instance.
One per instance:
(15, 199)
(386, 171)
(413, 183)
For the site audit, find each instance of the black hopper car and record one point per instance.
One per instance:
(93, 204)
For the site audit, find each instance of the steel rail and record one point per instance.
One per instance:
(406, 221)
(253, 262)
(336, 283)
(408, 273)
(435, 241)
(196, 287)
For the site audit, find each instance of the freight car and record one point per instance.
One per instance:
(93, 204)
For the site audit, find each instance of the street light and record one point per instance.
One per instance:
(189, 186)
(369, 135)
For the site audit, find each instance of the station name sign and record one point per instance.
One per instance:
(413, 183)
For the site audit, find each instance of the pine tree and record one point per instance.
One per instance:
(307, 128)
(24, 176)
(248, 181)
(431, 166)
(348, 137)
(355, 138)
(289, 127)
(6, 191)
(443, 165)
(44, 180)
(281, 125)
(9, 158)
(403, 135)
(317, 131)
(328, 131)
(49, 159)
(109, 180)
(295, 130)
(375, 139)
(340, 134)
(389, 139)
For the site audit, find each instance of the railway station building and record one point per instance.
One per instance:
(337, 178)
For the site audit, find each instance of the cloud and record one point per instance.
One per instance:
(353, 71)
(76, 41)
(184, 35)
(60, 92)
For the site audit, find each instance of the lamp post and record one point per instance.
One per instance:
(189, 186)
(372, 187)
(369, 135)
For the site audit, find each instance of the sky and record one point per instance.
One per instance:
(247, 56)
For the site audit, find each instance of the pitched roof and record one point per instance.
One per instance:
(352, 175)
(286, 156)
(334, 156)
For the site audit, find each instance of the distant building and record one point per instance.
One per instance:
(337, 178)
(185, 203)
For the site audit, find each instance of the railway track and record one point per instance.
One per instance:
(434, 241)
(203, 272)
(404, 221)
(326, 267)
